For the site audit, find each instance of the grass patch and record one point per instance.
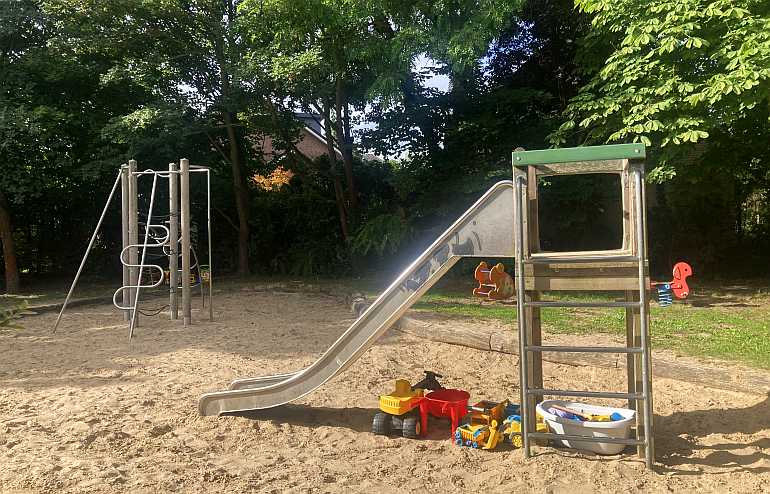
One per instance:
(729, 328)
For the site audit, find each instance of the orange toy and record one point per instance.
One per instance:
(494, 284)
(677, 287)
(682, 271)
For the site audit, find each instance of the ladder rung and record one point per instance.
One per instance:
(588, 439)
(583, 349)
(555, 303)
(578, 260)
(585, 394)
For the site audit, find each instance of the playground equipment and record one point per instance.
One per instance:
(170, 236)
(504, 223)
(494, 283)
(677, 287)
(624, 269)
(485, 230)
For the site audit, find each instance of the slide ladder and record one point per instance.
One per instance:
(484, 230)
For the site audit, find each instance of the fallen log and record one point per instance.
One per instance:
(497, 339)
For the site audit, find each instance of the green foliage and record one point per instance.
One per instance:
(86, 84)
(383, 234)
(676, 73)
(9, 314)
(296, 230)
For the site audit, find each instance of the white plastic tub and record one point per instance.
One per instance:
(615, 429)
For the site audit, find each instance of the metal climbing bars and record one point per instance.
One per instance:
(172, 236)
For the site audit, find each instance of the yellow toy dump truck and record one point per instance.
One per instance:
(512, 429)
(492, 423)
(401, 409)
(482, 431)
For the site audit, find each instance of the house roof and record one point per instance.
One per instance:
(311, 121)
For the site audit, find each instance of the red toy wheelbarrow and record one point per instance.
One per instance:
(444, 403)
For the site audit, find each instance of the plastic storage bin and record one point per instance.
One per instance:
(615, 429)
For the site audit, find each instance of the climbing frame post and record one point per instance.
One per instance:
(173, 239)
(133, 236)
(184, 168)
(124, 200)
(531, 313)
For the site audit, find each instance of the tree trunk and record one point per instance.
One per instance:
(9, 249)
(338, 193)
(224, 56)
(343, 139)
(241, 190)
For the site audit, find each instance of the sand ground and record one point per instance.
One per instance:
(84, 410)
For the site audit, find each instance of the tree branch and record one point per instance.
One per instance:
(227, 218)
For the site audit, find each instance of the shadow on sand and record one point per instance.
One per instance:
(354, 418)
(680, 437)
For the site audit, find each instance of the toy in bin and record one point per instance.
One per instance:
(401, 409)
(579, 419)
(572, 414)
(482, 430)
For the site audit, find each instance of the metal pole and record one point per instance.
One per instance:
(196, 264)
(642, 252)
(208, 221)
(173, 242)
(124, 194)
(133, 235)
(520, 316)
(88, 250)
(184, 166)
(132, 325)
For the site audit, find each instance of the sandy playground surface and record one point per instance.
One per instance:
(85, 411)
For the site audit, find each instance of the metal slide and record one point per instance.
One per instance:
(484, 230)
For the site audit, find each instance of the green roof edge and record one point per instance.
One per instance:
(582, 153)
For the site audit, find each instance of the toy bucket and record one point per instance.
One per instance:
(447, 403)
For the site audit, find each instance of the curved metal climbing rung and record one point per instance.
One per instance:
(159, 241)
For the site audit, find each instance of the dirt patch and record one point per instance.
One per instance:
(86, 410)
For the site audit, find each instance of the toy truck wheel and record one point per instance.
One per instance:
(411, 427)
(381, 424)
(396, 423)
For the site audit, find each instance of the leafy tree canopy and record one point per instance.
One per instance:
(670, 73)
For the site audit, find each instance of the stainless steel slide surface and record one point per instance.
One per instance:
(484, 230)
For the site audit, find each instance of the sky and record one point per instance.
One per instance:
(437, 81)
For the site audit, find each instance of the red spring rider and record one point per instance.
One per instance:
(675, 288)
